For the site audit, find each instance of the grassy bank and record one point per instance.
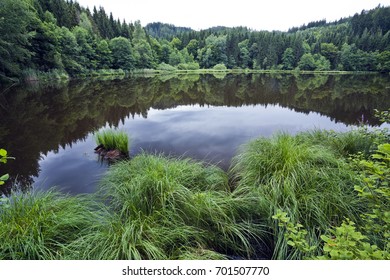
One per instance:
(31, 75)
(157, 207)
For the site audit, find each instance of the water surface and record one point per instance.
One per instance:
(49, 128)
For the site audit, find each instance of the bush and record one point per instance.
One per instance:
(188, 66)
(166, 67)
(220, 67)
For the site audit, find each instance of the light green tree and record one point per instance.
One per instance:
(288, 59)
(192, 47)
(244, 54)
(143, 53)
(122, 53)
(330, 52)
(307, 62)
(16, 17)
(104, 54)
(70, 51)
(214, 51)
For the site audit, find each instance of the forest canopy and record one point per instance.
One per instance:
(40, 36)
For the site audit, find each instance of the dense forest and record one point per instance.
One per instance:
(61, 37)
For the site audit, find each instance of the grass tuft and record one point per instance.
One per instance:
(35, 226)
(113, 140)
(164, 205)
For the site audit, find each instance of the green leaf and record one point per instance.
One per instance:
(4, 177)
(291, 243)
(3, 153)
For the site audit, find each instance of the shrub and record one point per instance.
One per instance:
(166, 67)
(188, 66)
(220, 67)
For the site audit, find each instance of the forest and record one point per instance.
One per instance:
(61, 38)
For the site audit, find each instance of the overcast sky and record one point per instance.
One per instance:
(255, 14)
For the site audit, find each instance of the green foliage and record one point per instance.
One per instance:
(310, 182)
(61, 35)
(113, 140)
(383, 116)
(166, 67)
(220, 67)
(368, 237)
(15, 19)
(376, 192)
(330, 52)
(288, 59)
(3, 159)
(311, 62)
(122, 54)
(214, 51)
(340, 243)
(346, 243)
(188, 66)
(143, 54)
(295, 234)
(307, 62)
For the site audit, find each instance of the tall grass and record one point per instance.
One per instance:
(113, 140)
(157, 207)
(38, 225)
(343, 144)
(310, 182)
(168, 209)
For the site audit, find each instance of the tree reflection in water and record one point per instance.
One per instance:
(39, 120)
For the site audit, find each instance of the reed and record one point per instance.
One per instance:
(113, 140)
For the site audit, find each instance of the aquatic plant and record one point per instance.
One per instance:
(113, 140)
(312, 184)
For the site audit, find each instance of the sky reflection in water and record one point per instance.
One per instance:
(208, 133)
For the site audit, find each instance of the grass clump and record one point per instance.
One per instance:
(113, 140)
(348, 143)
(38, 225)
(169, 209)
(309, 182)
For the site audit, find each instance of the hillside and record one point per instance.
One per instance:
(61, 37)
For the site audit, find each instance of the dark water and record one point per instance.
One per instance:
(49, 128)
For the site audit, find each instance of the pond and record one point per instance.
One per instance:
(49, 129)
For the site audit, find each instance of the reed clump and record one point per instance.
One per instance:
(111, 139)
(165, 208)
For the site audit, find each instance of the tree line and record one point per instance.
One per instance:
(60, 35)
